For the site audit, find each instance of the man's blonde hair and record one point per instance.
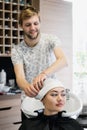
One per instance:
(28, 12)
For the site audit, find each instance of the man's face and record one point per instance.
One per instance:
(31, 27)
(54, 100)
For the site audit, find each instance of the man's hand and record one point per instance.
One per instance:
(31, 91)
(38, 81)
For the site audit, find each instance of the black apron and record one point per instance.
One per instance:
(54, 122)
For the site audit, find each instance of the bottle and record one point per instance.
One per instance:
(3, 76)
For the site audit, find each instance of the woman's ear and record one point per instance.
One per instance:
(43, 100)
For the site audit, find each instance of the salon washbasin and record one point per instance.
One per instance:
(73, 106)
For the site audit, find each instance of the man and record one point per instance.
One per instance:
(33, 58)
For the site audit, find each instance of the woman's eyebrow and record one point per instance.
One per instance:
(58, 91)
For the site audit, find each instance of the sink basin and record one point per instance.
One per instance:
(73, 106)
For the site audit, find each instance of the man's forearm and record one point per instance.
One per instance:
(56, 66)
(22, 83)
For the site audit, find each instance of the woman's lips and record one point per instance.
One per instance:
(59, 104)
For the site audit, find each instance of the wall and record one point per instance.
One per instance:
(56, 18)
(80, 49)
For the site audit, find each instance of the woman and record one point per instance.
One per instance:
(53, 99)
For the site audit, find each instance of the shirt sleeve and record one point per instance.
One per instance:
(16, 55)
(54, 41)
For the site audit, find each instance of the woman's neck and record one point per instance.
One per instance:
(49, 113)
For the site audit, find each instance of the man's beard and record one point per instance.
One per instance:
(31, 37)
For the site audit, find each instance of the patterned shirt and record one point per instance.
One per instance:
(35, 59)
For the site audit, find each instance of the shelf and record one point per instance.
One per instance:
(10, 32)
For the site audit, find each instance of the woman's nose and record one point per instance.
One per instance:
(59, 97)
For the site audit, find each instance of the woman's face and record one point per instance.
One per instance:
(54, 101)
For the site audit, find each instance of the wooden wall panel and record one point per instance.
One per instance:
(56, 18)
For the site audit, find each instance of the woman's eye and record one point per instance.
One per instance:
(54, 94)
(63, 94)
